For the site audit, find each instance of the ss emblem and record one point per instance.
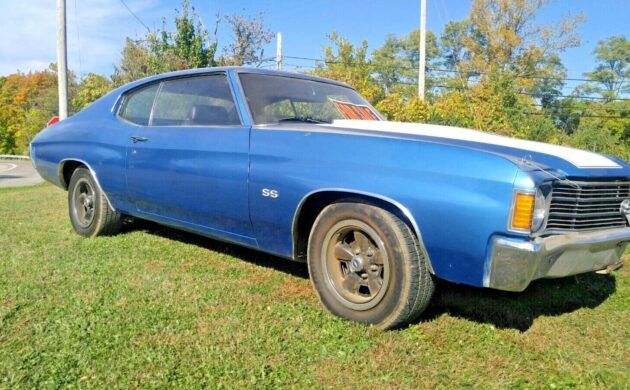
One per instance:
(266, 192)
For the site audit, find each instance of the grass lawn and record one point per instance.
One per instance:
(157, 307)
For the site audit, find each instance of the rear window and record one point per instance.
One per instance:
(276, 99)
(137, 106)
(195, 101)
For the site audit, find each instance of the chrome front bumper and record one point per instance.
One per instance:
(513, 263)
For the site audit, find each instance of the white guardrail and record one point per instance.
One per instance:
(13, 157)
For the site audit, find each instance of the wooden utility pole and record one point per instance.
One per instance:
(423, 48)
(62, 60)
(279, 51)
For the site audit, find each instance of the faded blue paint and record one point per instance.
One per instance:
(209, 180)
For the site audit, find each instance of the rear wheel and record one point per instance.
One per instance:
(90, 213)
(366, 265)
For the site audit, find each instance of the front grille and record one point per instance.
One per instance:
(587, 205)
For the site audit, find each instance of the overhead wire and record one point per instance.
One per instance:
(134, 15)
(324, 61)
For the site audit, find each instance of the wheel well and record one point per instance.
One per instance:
(67, 169)
(313, 205)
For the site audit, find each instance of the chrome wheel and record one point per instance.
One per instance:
(83, 202)
(356, 264)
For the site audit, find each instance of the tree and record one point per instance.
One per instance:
(610, 77)
(27, 102)
(250, 36)
(134, 63)
(189, 46)
(395, 64)
(504, 36)
(348, 63)
(452, 43)
(90, 88)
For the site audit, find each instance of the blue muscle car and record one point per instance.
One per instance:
(304, 168)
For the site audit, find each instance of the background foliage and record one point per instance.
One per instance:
(498, 70)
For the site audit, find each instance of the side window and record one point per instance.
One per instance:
(195, 101)
(137, 106)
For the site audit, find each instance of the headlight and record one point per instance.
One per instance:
(529, 210)
(540, 211)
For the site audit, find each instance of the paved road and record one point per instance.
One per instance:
(18, 173)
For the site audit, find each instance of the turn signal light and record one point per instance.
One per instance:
(523, 211)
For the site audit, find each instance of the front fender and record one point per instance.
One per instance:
(457, 197)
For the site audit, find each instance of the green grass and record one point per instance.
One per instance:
(156, 307)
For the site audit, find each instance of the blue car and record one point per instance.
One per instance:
(304, 168)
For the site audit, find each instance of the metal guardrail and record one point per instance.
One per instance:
(13, 157)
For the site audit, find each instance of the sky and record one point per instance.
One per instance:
(97, 28)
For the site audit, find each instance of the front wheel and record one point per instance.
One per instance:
(90, 213)
(367, 265)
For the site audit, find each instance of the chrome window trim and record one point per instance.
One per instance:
(124, 97)
(121, 101)
(297, 77)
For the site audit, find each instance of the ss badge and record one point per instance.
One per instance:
(266, 192)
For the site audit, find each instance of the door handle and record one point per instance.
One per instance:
(136, 138)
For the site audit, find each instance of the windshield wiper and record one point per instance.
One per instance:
(305, 119)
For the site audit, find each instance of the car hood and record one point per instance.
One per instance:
(529, 155)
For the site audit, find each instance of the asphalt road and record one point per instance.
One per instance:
(18, 173)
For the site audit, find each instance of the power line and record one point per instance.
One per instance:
(320, 60)
(582, 116)
(589, 108)
(579, 97)
(135, 16)
(437, 69)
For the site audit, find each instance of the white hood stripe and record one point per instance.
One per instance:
(577, 157)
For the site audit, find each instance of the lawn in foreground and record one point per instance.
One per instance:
(155, 307)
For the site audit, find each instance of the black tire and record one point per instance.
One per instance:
(387, 281)
(90, 213)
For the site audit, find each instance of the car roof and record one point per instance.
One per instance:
(238, 69)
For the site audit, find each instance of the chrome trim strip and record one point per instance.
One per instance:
(65, 185)
(612, 182)
(513, 263)
(391, 201)
(120, 100)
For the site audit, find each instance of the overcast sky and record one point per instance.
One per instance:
(97, 28)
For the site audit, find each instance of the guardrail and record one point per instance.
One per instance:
(13, 157)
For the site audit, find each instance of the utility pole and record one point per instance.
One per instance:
(279, 51)
(62, 60)
(423, 48)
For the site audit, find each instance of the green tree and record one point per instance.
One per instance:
(189, 46)
(453, 43)
(395, 64)
(134, 63)
(90, 88)
(610, 77)
(250, 36)
(505, 37)
(350, 64)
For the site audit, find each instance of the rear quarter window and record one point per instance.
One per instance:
(137, 105)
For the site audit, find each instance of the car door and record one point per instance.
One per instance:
(189, 164)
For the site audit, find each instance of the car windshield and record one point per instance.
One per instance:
(277, 99)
